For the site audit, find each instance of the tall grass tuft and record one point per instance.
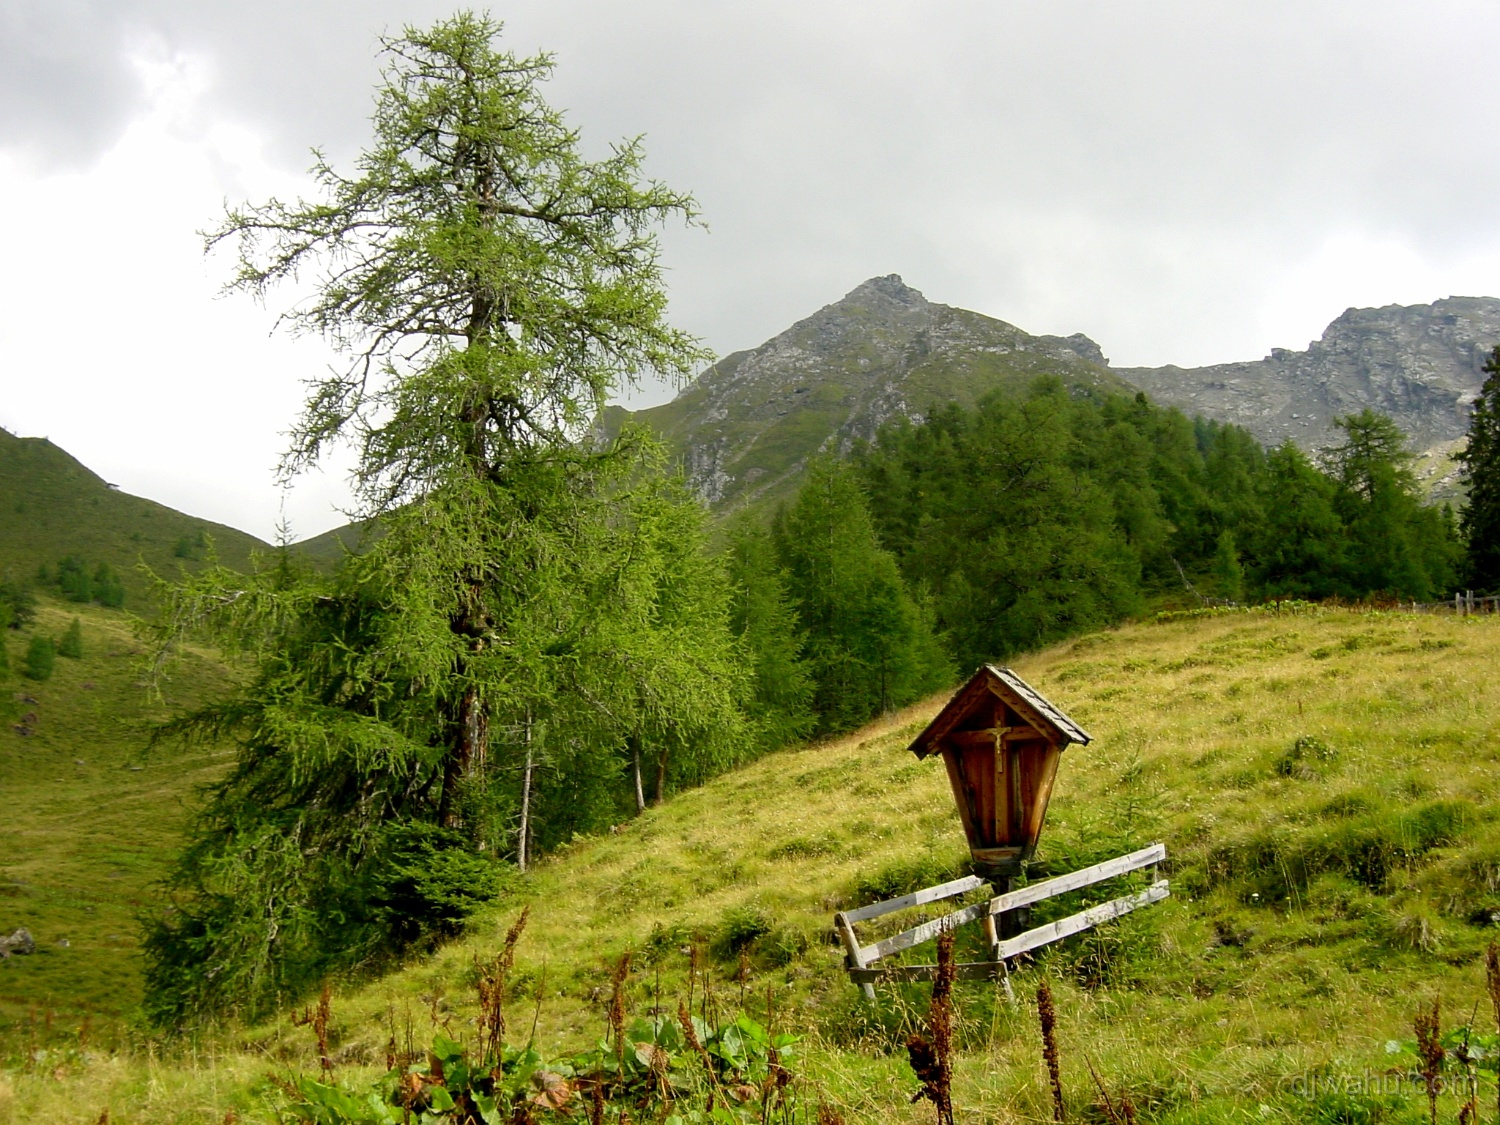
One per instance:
(1492, 986)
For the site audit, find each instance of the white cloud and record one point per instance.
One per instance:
(112, 341)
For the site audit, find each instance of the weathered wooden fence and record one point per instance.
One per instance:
(862, 960)
(1464, 604)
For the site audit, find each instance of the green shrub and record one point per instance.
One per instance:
(19, 601)
(429, 881)
(108, 589)
(40, 656)
(740, 928)
(73, 579)
(71, 644)
(1305, 757)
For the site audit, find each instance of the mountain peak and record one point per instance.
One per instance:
(887, 288)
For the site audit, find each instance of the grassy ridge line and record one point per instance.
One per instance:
(1269, 962)
(90, 821)
(54, 506)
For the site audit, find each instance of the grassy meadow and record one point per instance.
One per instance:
(1326, 783)
(90, 820)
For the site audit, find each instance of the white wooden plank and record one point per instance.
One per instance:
(925, 932)
(916, 898)
(1076, 923)
(1084, 877)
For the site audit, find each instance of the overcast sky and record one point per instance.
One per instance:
(1185, 181)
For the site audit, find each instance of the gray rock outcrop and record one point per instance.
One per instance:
(19, 942)
(1421, 364)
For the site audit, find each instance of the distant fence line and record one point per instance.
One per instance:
(1464, 604)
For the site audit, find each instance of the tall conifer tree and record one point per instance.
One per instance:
(870, 646)
(1480, 458)
(534, 602)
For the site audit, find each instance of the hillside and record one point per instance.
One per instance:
(745, 427)
(91, 820)
(51, 505)
(1324, 780)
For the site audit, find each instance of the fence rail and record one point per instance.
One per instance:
(1464, 603)
(862, 960)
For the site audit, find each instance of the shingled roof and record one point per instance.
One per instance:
(1017, 693)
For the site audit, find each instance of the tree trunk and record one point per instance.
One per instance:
(522, 848)
(466, 755)
(635, 766)
(661, 773)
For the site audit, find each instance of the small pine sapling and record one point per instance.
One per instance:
(71, 644)
(40, 657)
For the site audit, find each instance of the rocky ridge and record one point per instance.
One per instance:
(746, 427)
(1421, 364)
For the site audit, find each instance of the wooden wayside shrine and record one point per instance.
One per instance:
(1001, 742)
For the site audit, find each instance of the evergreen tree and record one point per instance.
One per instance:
(1300, 547)
(1229, 576)
(1397, 547)
(40, 654)
(73, 579)
(870, 647)
(1480, 458)
(537, 613)
(19, 602)
(1374, 455)
(71, 644)
(1018, 516)
(108, 588)
(767, 625)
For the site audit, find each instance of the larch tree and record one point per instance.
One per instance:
(491, 286)
(1480, 458)
(532, 599)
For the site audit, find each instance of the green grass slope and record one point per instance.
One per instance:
(1326, 783)
(51, 505)
(89, 820)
